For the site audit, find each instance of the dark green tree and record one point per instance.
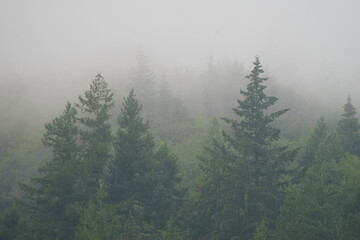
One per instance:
(142, 180)
(95, 132)
(348, 129)
(253, 163)
(310, 210)
(54, 195)
(212, 184)
(130, 172)
(167, 195)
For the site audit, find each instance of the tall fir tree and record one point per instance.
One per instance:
(142, 180)
(348, 129)
(95, 131)
(129, 174)
(54, 195)
(252, 163)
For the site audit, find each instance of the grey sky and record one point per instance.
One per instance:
(306, 43)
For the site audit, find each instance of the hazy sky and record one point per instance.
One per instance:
(310, 43)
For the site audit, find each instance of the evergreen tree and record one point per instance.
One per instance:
(54, 195)
(130, 172)
(348, 129)
(95, 132)
(170, 108)
(311, 210)
(167, 195)
(212, 184)
(142, 180)
(252, 163)
(319, 137)
(142, 81)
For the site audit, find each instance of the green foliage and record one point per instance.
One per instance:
(53, 195)
(167, 194)
(21, 158)
(172, 231)
(318, 140)
(309, 211)
(322, 205)
(13, 226)
(99, 221)
(130, 172)
(348, 196)
(262, 232)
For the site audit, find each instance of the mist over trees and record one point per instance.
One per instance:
(210, 170)
(179, 120)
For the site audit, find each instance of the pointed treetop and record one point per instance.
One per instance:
(349, 109)
(130, 111)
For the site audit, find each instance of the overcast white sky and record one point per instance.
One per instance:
(311, 43)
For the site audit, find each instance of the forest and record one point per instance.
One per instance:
(238, 156)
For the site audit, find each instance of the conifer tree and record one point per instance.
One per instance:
(54, 199)
(129, 173)
(348, 129)
(309, 210)
(142, 81)
(95, 131)
(142, 180)
(252, 163)
(167, 196)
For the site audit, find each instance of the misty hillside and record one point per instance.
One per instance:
(179, 120)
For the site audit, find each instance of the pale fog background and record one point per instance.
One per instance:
(50, 50)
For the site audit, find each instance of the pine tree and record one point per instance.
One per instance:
(348, 129)
(309, 210)
(95, 131)
(167, 195)
(141, 179)
(252, 163)
(54, 195)
(130, 173)
(212, 186)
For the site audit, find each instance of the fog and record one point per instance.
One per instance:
(50, 50)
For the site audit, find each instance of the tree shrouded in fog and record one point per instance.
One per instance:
(249, 194)
(53, 202)
(140, 177)
(142, 81)
(348, 129)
